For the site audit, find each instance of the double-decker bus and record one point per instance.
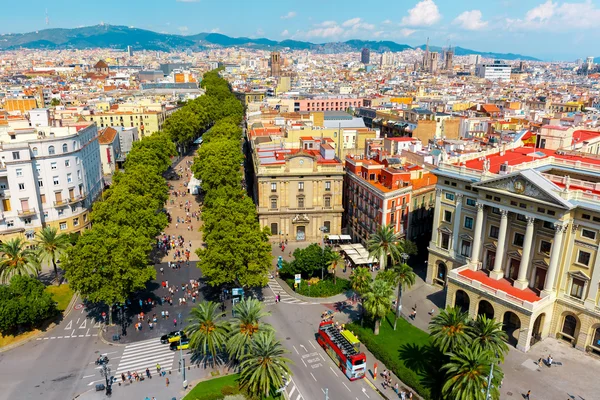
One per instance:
(343, 348)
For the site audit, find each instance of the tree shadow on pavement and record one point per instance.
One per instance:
(427, 362)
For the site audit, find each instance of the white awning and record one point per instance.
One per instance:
(346, 237)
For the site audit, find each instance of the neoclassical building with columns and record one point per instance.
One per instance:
(521, 243)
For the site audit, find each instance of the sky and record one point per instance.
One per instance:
(547, 29)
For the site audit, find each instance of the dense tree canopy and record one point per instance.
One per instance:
(24, 304)
(309, 261)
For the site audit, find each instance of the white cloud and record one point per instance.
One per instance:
(215, 30)
(557, 16)
(405, 32)
(351, 22)
(471, 20)
(325, 31)
(183, 29)
(260, 32)
(424, 13)
(387, 22)
(289, 15)
(285, 33)
(541, 13)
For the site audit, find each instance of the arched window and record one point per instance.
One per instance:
(569, 325)
(74, 145)
(51, 150)
(65, 148)
(35, 151)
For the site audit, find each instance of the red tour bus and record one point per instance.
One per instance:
(343, 348)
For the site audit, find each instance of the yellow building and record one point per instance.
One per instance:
(298, 192)
(521, 246)
(146, 120)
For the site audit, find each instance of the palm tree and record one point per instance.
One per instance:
(360, 280)
(207, 330)
(487, 334)
(406, 278)
(377, 301)
(335, 259)
(50, 244)
(384, 243)
(245, 325)
(467, 374)
(264, 367)
(450, 329)
(17, 259)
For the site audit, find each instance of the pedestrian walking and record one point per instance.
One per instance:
(167, 381)
(157, 368)
(549, 360)
(162, 270)
(175, 322)
(527, 395)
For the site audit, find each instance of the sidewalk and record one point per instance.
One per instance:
(376, 384)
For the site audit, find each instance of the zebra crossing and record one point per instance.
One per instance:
(283, 296)
(292, 391)
(146, 354)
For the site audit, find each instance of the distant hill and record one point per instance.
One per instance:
(460, 51)
(119, 37)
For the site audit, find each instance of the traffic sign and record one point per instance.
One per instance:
(237, 292)
(297, 278)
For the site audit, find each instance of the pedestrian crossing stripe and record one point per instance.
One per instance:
(145, 354)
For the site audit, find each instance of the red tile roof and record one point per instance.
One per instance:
(502, 284)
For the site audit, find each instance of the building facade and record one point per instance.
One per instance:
(145, 120)
(496, 71)
(298, 192)
(522, 245)
(49, 176)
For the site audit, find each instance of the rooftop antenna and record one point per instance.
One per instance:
(47, 19)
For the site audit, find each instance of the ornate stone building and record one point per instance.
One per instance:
(521, 243)
(298, 192)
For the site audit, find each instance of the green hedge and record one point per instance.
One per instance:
(382, 352)
(324, 288)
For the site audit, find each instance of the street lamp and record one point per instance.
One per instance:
(323, 230)
(404, 257)
(105, 372)
(489, 381)
(182, 363)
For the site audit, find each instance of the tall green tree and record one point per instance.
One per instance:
(405, 278)
(383, 244)
(108, 264)
(245, 325)
(264, 367)
(17, 259)
(334, 262)
(377, 301)
(487, 334)
(467, 374)
(360, 280)
(207, 329)
(450, 329)
(50, 245)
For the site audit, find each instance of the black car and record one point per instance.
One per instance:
(174, 336)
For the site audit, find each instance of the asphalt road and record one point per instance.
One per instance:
(313, 371)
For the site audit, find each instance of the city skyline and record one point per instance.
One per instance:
(550, 30)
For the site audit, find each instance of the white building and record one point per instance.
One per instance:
(496, 71)
(49, 176)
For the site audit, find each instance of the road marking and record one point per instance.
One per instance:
(346, 386)
(95, 334)
(365, 392)
(46, 338)
(313, 366)
(69, 326)
(309, 355)
(81, 335)
(304, 347)
(77, 320)
(295, 349)
(322, 356)
(59, 337)
(311, 374)
(88, 376)
(82, 326)
(73, 333)
(333, 370)
(39, 338)
(53, 337)
(312, 345)
(292, 391)
(312, 360)
(303, 362)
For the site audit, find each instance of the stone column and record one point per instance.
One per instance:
(436, 217)
(497, 272)
(590, 300)
(477, 235)
(554, 258)
(522, 282)
(456, 228)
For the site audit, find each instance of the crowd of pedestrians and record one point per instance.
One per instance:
(387, 383)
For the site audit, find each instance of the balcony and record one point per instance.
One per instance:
(26, 213)
(5, 194)
(61, 203)
(76, 199)
(500, 290)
